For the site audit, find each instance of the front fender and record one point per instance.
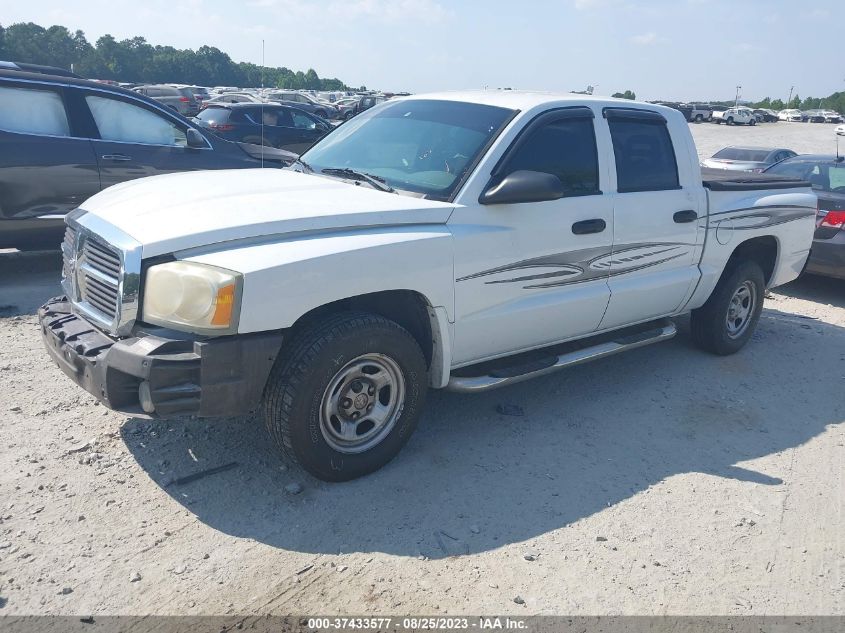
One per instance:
(284, 279)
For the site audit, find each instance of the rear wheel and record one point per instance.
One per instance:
(346, 395)
(699, 118)
(724, 324)
(730, 120)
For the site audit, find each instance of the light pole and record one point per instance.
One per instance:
(788, 101)
(736, 99)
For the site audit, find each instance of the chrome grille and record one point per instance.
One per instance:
(101, 272)
(98, 276)
(68, 250)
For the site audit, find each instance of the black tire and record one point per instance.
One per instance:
(730, 120)
(709, 323)
(699, 118)
(752, 122)
(299, 384)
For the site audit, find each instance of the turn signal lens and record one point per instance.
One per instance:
(223, 306)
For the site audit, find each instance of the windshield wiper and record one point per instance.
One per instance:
(376, 182)
(307, 167)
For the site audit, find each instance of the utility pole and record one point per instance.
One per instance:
(788, 101)
(736, 99)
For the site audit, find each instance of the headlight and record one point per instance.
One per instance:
(193, 297)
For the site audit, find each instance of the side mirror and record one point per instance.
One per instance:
(195, 139)
(523, 186)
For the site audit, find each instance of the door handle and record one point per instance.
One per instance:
(584, 227)
(119, 157)
(687, 215)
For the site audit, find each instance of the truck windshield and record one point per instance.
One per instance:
(418, 145)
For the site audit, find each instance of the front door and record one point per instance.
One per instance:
(136, 140)
(525, 274)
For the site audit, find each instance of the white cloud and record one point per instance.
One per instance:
(645, 39)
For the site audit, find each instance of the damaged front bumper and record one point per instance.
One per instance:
(156, 374)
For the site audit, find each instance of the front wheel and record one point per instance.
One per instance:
(726, 322)
(346, 394)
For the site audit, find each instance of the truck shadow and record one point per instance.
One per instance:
(825, 290)
(472, 479)
(27, 280)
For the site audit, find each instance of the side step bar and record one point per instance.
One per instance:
(510, 376)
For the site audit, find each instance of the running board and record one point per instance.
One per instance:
(510, 375)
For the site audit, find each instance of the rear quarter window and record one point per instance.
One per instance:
(29, 111)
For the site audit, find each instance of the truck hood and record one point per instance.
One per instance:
(174, 212)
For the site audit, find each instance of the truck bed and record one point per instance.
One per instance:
(727, 180)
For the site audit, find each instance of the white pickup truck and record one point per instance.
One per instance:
(462, 241)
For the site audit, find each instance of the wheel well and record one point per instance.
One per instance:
(406, 307)
(762, 250)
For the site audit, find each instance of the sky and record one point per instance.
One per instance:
(681, 50)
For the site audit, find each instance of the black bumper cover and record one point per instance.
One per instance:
(206, 377)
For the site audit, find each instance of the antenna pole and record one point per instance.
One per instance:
(262, 104)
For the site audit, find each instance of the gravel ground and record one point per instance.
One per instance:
(663, 481)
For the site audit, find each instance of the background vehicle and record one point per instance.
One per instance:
(832, 117)
(827, 176)
(304, 102)
(683, 108)
(791, 115)
(747, 158)
(840, 130)
(199, 93)
(283, 127)
(700, 112)
(735, 116)
(363, 104)
(231, 97)
(765, 116)
(63, 139)
(38, 68)
(815, 116)
(179, 99)
(463, 241)
(718, 113)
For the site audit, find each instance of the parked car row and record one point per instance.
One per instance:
(63, 139)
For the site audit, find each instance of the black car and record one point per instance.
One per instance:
(273, 125)
(765, 116)
(827, 176)
(64, 139)
(364, 103)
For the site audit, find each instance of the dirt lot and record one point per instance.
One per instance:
(664, 481)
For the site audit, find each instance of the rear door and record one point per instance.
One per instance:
(656, 205)
(47, 166)
(133, 140)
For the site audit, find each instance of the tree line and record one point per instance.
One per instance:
(135, 60)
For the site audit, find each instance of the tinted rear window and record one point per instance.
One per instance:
(645, 157)
(214, 115)
(737, 153)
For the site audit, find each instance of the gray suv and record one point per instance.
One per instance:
(180, 99)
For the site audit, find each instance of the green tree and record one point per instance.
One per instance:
(628, 94)
(136, 60)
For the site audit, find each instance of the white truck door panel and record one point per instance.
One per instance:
(524, 274)
(656, 207)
